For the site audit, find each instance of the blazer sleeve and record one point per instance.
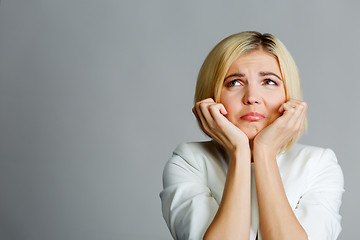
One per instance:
(187, 203)
(318, 208)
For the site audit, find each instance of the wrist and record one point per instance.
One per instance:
(264, 150)
(240, 153)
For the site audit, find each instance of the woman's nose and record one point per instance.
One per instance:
(251, 96)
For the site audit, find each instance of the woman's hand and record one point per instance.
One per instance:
(211, 117)
(284, 128)
(232, 219)
(277, 218)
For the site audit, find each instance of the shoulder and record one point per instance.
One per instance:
(192, 160)
(316, 161)
(316, 198)
(309, 154)
(195, 154)
(308, 150)
(196, 149)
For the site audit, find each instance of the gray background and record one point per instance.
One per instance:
(95, 95)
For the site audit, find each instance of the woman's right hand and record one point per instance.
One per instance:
(212, 120)
(232, 219)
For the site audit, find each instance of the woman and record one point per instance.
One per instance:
(251, 179)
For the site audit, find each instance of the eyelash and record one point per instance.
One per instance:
(266, 80)
(231, 83)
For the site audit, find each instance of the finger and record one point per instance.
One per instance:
(218, 123)
(288, 104)
(222, 123)
(196, 116)
(223, 111)
(197, 110)
(287, 111)
(216, 111)
(294, 115)
(202, 120)
(205, 110)
(302, 117)
(284, 107)
(287, 119)
(209, 126)
(207, 100)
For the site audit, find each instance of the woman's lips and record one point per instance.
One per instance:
(252, 116)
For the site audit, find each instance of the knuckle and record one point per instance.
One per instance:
(213, 108)
(197, 105)
(202, 106)
(207, 100)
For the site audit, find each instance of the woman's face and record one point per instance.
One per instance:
(253, 92)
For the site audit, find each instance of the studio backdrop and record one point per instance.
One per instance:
(95, 96)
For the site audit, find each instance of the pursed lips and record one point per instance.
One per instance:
(252, 116)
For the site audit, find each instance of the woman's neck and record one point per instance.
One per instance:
(251, 144)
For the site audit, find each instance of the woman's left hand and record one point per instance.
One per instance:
(284, 128)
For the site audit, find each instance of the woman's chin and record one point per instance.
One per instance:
(251, 132)
(251, 137)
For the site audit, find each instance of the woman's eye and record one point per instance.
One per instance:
(269, 82)
(233, 83)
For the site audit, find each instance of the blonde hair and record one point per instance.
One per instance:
(213, 71)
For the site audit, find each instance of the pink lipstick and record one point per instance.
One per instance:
(252, 116)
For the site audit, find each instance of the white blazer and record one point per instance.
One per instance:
(194, 179)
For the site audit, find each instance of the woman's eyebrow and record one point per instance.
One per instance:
(269, 73)
(235, 75)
